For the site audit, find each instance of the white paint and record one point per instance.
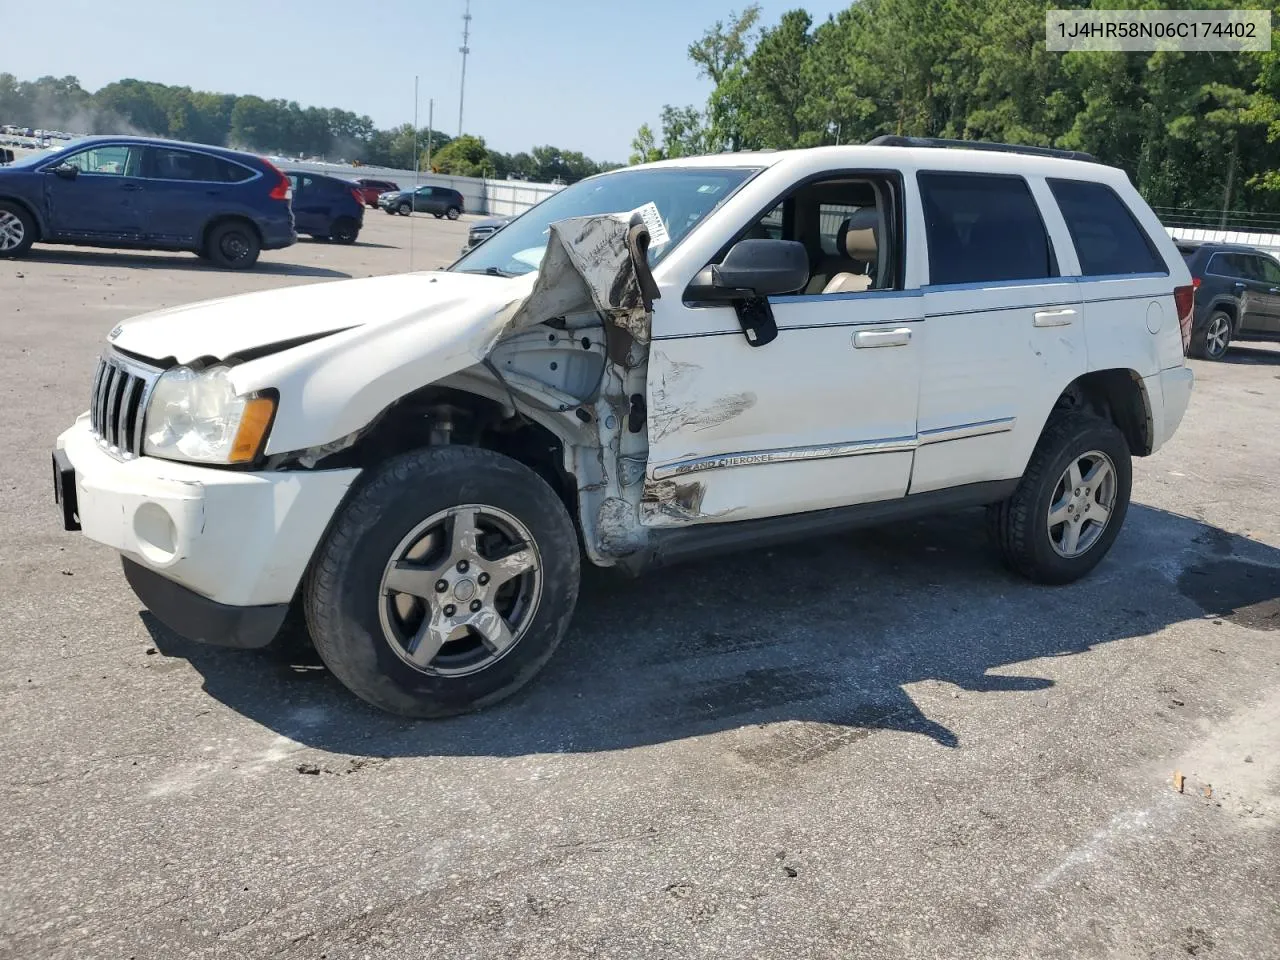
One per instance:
(1121, 828)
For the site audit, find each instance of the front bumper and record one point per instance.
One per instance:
(234, 538)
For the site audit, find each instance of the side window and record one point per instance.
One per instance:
(849, 229)
(114, 160)
(170, 164)
(229, 172)
(1268, 269)
(1107, 238)
(296, 181)
(424, 191)
(1220, 265)
(983, 228)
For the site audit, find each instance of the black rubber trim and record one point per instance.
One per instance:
(198, 618)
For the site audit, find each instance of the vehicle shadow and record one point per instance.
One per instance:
(1252, 353)
(828, 632)
(179, 261)
(358, 243)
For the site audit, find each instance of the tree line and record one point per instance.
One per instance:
(269, 126)
(1195, 131)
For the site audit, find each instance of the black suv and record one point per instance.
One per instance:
(1237, 295)
(441, 201)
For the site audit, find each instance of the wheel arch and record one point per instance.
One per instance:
(1119, 395)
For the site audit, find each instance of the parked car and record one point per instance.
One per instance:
(482, 230)
(326, 207)
(142, 193)
(417, 463)
(441, 201)
(370, 190)
(1237, 296)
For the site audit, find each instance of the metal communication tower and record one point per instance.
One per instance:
(464, 50)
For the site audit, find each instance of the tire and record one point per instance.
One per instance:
(344, 230)
(1210, 342)
(233, 245)
(437, 215)
(1020, 526)
(389, 212)
(355, 616)
(17, 231)
(453, 213)
(404, 209)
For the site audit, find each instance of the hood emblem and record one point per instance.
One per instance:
(115, 331)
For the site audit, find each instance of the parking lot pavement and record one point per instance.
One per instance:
(878, 745)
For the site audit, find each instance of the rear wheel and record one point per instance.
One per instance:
(17, 230)
(233, 245)
(344, 230)
(453, 213)
(1210, 342)
(1070, 504)
(445, 584)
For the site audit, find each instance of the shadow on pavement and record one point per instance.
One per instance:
(829, 632)
(179, 261)
(1252, 353)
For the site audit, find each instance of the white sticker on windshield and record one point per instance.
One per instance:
(653, 220)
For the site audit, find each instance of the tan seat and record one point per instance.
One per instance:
(857, 241)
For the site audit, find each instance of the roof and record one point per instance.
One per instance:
(160, 142)
(872, 156)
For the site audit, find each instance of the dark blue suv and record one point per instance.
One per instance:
(143, 193)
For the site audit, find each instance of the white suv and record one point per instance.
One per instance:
(764, 346)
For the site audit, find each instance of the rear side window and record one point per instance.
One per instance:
(983, 228)
(170, 164)
(1268, 270)
(1108, 239)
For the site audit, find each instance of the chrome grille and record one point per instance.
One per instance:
(121, 389)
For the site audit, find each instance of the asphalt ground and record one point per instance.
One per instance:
(878, 745)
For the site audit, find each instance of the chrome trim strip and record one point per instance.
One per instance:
(856, 448)
(831, 451)
(964, 431)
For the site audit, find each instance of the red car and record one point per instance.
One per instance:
(370, 189)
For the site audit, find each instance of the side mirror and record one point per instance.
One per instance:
(751, 272)
(66, 171)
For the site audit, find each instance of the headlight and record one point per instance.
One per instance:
(197, 415)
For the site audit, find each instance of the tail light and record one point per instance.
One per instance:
(1184, 299)
(359, 198)
(283, 190)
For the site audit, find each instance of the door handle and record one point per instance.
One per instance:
(131, 187)
(865, 339)
(1239, 285)
(1053, 318)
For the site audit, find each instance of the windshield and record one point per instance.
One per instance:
(683, 196)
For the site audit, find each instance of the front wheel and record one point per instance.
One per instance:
(17, 230)
(405, 209)
(1070, 504)
(445, 584)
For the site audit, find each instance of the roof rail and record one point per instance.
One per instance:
(892, 140)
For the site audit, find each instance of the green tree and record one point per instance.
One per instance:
(467, 156)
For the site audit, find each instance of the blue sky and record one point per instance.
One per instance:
(575, 73)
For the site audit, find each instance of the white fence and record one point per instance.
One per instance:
(1269, 242)
(500, 198)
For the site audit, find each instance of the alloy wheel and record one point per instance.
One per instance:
(12, 231)
(1082, 504)
(1217, 336)
(460, 590)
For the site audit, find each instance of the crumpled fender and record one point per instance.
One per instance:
(334, 387)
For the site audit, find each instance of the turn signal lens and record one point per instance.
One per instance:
(253, 429)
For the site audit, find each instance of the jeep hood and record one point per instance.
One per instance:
(259, 323)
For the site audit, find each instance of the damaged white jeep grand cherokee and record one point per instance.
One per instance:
(766, 346)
